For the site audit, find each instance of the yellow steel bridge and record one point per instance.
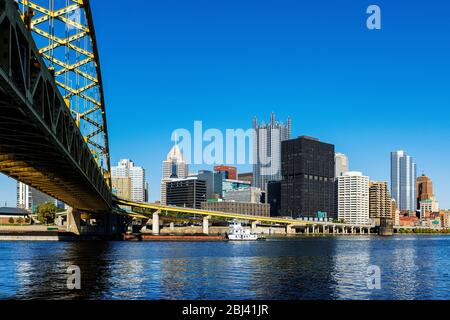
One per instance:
(205, 213)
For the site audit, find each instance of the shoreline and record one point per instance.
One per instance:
(59, 236)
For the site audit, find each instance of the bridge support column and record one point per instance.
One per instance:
(307, 229)
(74, 221)
(155, 223)
(172, 226)
(290, 230)
(314, 229)
(206, 224)
(254, 226)
(334, 229)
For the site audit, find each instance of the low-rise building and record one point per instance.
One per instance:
(406, 221)
(445, 218)
(428, 206)
(229, 184)
(249, 209)
(250, 195)
(14, 216)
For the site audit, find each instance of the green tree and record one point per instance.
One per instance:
(46, 213)
(20, 220)
(11, 220)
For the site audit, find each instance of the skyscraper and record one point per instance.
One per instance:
(403, 181)
(267, 150)
(189, 192)
(174, 167)
(353, 198)
(29, 198)
(380, 204)
(341, 161)
(214, 183)
(308, 186)
(424, 187)
(127, 169)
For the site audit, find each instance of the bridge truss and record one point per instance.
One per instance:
(64, 33)
(41, 143)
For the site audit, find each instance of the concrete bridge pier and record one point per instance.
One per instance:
(254, 226)
(74, 221)
(290, 230)
(155, 223)
(206, 224)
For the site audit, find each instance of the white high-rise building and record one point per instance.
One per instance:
(29, 198)
(341, 164)
(267, 151)
(403, 181)
(353, 198)
(127, 169)
(174, 167)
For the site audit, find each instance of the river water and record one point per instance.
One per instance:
(412, 267)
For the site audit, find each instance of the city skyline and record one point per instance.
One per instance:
(346, 85)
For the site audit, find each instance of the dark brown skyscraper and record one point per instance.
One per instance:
(424, 189)
(308, 186)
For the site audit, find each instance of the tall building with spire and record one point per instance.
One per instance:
(267, 150)
(174, 167)
(403, 181)
(424, 187)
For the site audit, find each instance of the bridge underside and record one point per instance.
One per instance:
(40, 143)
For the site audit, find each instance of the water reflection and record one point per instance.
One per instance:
(304, 268)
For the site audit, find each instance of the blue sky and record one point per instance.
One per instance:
(169, 63)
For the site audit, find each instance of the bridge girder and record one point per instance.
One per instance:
(65, 35)
(40, 143)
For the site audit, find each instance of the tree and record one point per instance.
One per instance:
(46, 213)
(20, 220)
(11, 220)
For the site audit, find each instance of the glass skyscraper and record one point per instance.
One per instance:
(267, 151)
(403, 180)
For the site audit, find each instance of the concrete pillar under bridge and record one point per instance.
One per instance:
(155, 223)
(206, 224)
(106, 225)
(254, 226)
(290, 229)
(74, 221)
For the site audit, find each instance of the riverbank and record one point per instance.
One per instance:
(424, 231)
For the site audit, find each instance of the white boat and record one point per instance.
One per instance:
(238, 233)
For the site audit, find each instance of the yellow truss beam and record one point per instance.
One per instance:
(90, 90)
(206, 213)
